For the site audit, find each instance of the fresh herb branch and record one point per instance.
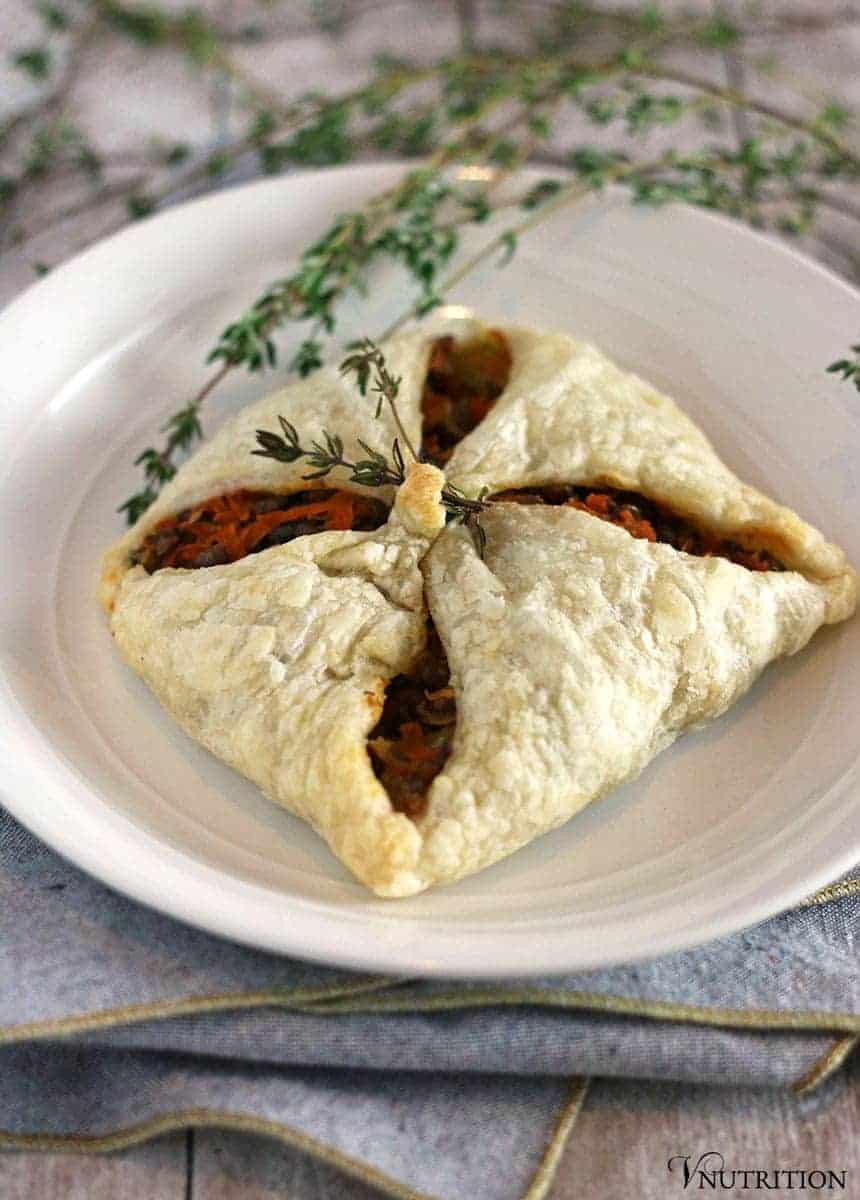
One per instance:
(327, 455)
(367, 363)
(183, 430)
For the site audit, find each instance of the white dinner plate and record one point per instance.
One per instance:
(729, 826)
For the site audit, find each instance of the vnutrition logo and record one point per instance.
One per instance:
(710, 1171)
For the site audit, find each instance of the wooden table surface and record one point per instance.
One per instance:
(626, 1131)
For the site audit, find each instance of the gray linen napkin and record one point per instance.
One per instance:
(116, 1023)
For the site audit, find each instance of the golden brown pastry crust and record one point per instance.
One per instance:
(576, 651)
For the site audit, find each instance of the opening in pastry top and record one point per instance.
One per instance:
(643, 518)
(225, 528)
(412, 739)
(464, 380)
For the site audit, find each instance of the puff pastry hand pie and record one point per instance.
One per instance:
(426, 708)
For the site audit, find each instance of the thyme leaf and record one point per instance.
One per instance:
(848, 368)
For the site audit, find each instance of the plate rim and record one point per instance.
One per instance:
(163, 216)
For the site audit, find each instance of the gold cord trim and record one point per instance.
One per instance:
(568, 1115)
(302, 999)
(813, 1021)
(205, 1118)
(333, 1002)
(825, 1066)
(342, 999)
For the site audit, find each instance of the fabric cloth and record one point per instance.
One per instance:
(116, 1022)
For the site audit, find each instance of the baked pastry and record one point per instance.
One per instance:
(428, 709)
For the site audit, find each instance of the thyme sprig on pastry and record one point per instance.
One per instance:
(367, 363)
(327, 455)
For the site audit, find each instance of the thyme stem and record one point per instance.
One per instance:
(741, 100)
(368, 361)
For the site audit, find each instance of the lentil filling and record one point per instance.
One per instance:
(464, 380)
(412, 739)
(643, 518)
(226, 528)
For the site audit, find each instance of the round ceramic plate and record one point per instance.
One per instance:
(727, 827)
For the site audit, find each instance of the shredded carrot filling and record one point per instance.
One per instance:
(412, 739)
(642, 518)
(464, 380)
(226, 528)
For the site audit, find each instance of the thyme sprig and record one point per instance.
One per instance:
(404, 223)
(466, 511)
(367, 363)
(159, 466)
(393, 113)
(183, 431)
(327, 455)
